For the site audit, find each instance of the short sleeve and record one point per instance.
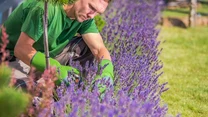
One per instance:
(88, 26)
(33, 24)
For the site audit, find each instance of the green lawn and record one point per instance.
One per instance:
(185, 58)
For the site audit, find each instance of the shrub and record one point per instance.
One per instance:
(13, 102)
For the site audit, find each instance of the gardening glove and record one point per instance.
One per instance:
(107, 75)
(39, 62)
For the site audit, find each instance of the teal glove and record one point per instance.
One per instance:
(107, 74)
(39, 62)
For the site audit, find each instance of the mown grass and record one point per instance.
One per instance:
(185, 58)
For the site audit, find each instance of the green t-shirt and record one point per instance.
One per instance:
(28, 18)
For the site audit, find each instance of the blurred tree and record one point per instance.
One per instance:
(192, 13)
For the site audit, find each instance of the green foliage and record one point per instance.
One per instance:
(100, 22)
(5, 74)
(12, 101)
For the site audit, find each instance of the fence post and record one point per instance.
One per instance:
(192, 13)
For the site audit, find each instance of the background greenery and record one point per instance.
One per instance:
(202, 10)
(185, 59)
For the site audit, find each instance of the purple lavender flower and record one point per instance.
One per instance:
(130, 35)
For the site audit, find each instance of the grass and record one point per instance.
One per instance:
(185, 58)
(184, 12)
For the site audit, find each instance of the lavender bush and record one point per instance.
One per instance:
(130, 34)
